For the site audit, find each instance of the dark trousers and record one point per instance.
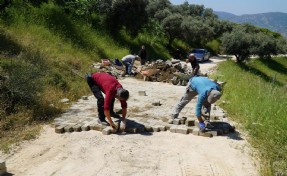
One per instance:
(99, 96)
(143, 61)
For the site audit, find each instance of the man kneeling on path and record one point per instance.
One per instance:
(208, 93)
(104, 82)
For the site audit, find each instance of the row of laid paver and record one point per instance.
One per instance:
(183, 125)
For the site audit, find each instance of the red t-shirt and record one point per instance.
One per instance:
(108, 85)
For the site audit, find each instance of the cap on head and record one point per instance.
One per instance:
(191, 55)
(214, 95)
(123, 93)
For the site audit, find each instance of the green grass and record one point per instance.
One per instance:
(39, 48)
(256, 97)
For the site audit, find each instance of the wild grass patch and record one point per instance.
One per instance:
(258, 101)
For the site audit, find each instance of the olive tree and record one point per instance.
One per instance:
(156, 5)
(237, 43)
(264, 45)
(196, 31)
(171, 27)
(129, 14)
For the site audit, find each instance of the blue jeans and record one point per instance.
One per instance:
(128, 67)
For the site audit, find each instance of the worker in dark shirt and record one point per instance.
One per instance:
(105, 83)
(194, 64)
(143, 55)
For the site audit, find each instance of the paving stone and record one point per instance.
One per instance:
(68, 128)
(142, 93)
(85, 97)
(205, 134)
(213, 117)
(155, 128)
(195, 131)
(182, 129)
(86, 126)
(173, 129)
(225, 119)
(190, 129)
(96, 127)
(60, 129)
(196, 123)
(167, 126)
(161, 128)
(213, 133)
(189, 122)
(148, 128)
(107, 130)
(77, 127)
(176, 121)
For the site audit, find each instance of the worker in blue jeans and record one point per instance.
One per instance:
(208, 93)
(128, 61)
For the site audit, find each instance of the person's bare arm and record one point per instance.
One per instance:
(108, 115)
(124, 113)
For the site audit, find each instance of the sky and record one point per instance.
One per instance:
(240, 7)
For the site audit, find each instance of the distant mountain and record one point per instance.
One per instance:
(274, 21)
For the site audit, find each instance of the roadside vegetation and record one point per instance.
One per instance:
(255, 97)
(47, 45)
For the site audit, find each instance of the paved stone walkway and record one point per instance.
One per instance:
(82, 116)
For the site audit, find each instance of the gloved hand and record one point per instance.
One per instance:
(123, 125)
(201, 125)
(114, 126)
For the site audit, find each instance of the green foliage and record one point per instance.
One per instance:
(237, 43)
(155, 6)
(196, 31)
(213, 46)
(171, 27)
(130, 14)
(260, 108)
(245, 40)
(22, 83)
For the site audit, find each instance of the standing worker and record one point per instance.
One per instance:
(194, 64)
(142, 55)
(105, 83)
(128, 61)
(208, 93)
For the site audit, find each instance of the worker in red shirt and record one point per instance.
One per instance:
(105, 83)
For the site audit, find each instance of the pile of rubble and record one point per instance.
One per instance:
(171, 71)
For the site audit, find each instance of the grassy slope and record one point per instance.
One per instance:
(255, 96)
(53, 44)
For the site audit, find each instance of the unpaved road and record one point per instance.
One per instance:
(91, 153)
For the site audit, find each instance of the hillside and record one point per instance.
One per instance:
(274, 21)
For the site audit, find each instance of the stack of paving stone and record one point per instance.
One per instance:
(184, 125)
(3, 169)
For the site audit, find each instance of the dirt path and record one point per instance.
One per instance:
(162, 154)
